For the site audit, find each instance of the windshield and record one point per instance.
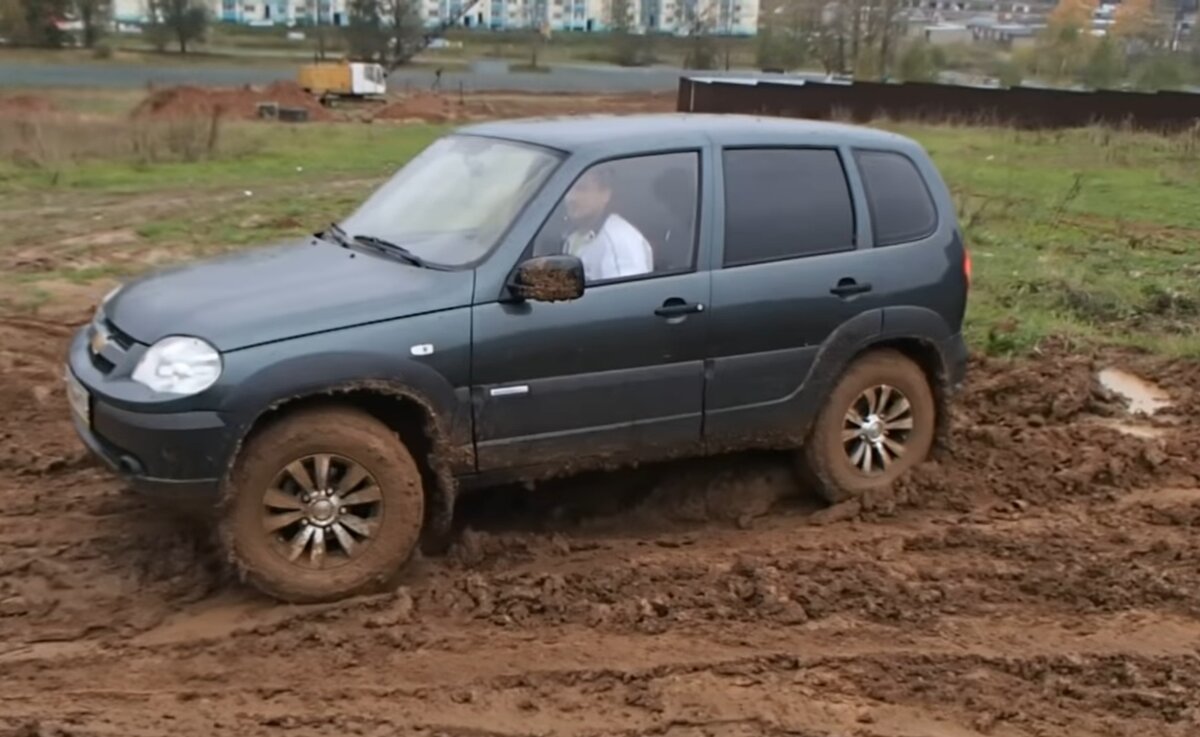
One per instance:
(451, 203)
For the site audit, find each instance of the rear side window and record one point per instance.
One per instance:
(785, 203)
(901, 208)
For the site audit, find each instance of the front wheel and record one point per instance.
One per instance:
(878, 422)
(323, 504)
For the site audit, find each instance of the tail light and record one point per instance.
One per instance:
(967, 265)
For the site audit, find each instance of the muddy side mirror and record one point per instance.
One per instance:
(556, 278)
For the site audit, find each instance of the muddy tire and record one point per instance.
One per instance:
(878, 422)
(324, 504)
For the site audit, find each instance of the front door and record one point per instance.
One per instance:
(621, 369)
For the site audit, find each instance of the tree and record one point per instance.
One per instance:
(1163, 71)
(787, 37)
(406, 32)
(1104, 67)
(1134, 19)
(181, 21)
(1065, 46)
(365, 34)
(538, 29)
(917, 63)
(33, 22)
(93, 15)
(698, 21)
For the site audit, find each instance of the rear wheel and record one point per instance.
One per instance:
(325, 503)
(878, 422)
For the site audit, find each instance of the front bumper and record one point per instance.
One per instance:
(161, 455)
(176, 457)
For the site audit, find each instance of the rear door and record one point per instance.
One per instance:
(619, 370)
(788, 273)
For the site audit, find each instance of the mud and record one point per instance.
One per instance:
(1041, 577)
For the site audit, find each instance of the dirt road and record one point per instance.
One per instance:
(1041, 578)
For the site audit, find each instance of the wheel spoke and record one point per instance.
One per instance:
(870, 396)
(848, 435)
(354, 476)
(885, 398)
(357, 524)
(317, 554)
(344, 538)
(866, 458)
(300, 542)
(885, 458)
(853, 417)
(297, 471)
(897, 449)
(322, 465)
(365, 496)
(900, 408)
(275, 522)
(276, 499)
(857, 454)
(904, 423)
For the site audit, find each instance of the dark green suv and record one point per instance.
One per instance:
(532, 298)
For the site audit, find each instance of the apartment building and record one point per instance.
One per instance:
(654, 16)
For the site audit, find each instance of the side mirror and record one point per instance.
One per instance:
(549, 279)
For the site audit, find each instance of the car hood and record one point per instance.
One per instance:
(282, 291)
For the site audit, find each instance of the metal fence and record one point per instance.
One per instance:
(1023, 107)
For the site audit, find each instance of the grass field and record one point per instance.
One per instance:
(1088, 235)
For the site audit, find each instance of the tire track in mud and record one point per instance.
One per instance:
(1041, 577)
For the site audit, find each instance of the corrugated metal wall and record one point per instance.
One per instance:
(1023, 107)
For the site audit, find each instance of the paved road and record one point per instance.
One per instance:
(574, 78)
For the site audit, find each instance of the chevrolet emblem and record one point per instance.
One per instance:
(98, 341)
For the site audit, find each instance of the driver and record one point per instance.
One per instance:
(608, 245)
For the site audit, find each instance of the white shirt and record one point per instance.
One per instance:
(618, 250)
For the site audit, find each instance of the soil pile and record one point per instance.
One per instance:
(24, 105)
(241, 103)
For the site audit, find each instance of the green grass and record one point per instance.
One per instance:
(1089, 235)
(248, 154)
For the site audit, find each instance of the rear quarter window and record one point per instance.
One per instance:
(898, 198)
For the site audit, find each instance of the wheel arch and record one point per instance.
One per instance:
(406, 412)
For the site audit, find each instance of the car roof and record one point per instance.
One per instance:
(616, 133)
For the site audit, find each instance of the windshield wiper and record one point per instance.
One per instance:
(395, 249)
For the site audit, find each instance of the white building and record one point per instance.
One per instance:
(655, 16)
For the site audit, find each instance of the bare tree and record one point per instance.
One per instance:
(181, 21)
(93, 16)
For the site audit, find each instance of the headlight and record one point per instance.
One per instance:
(179, 365)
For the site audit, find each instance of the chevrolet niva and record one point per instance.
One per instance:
(531, 298)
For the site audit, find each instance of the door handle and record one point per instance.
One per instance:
(675, 307)
(849, 288)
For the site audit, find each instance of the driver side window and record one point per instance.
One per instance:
(628, 218)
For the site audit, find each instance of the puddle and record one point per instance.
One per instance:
(1143, 397)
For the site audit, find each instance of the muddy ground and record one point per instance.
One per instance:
(1041, 578)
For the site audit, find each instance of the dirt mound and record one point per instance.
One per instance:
(241, 102)
(26, 105)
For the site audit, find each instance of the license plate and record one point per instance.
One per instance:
(79, 399)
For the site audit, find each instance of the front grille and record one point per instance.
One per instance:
(120, 337)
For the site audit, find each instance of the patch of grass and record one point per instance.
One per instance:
(1075, 234)
(249, 154)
